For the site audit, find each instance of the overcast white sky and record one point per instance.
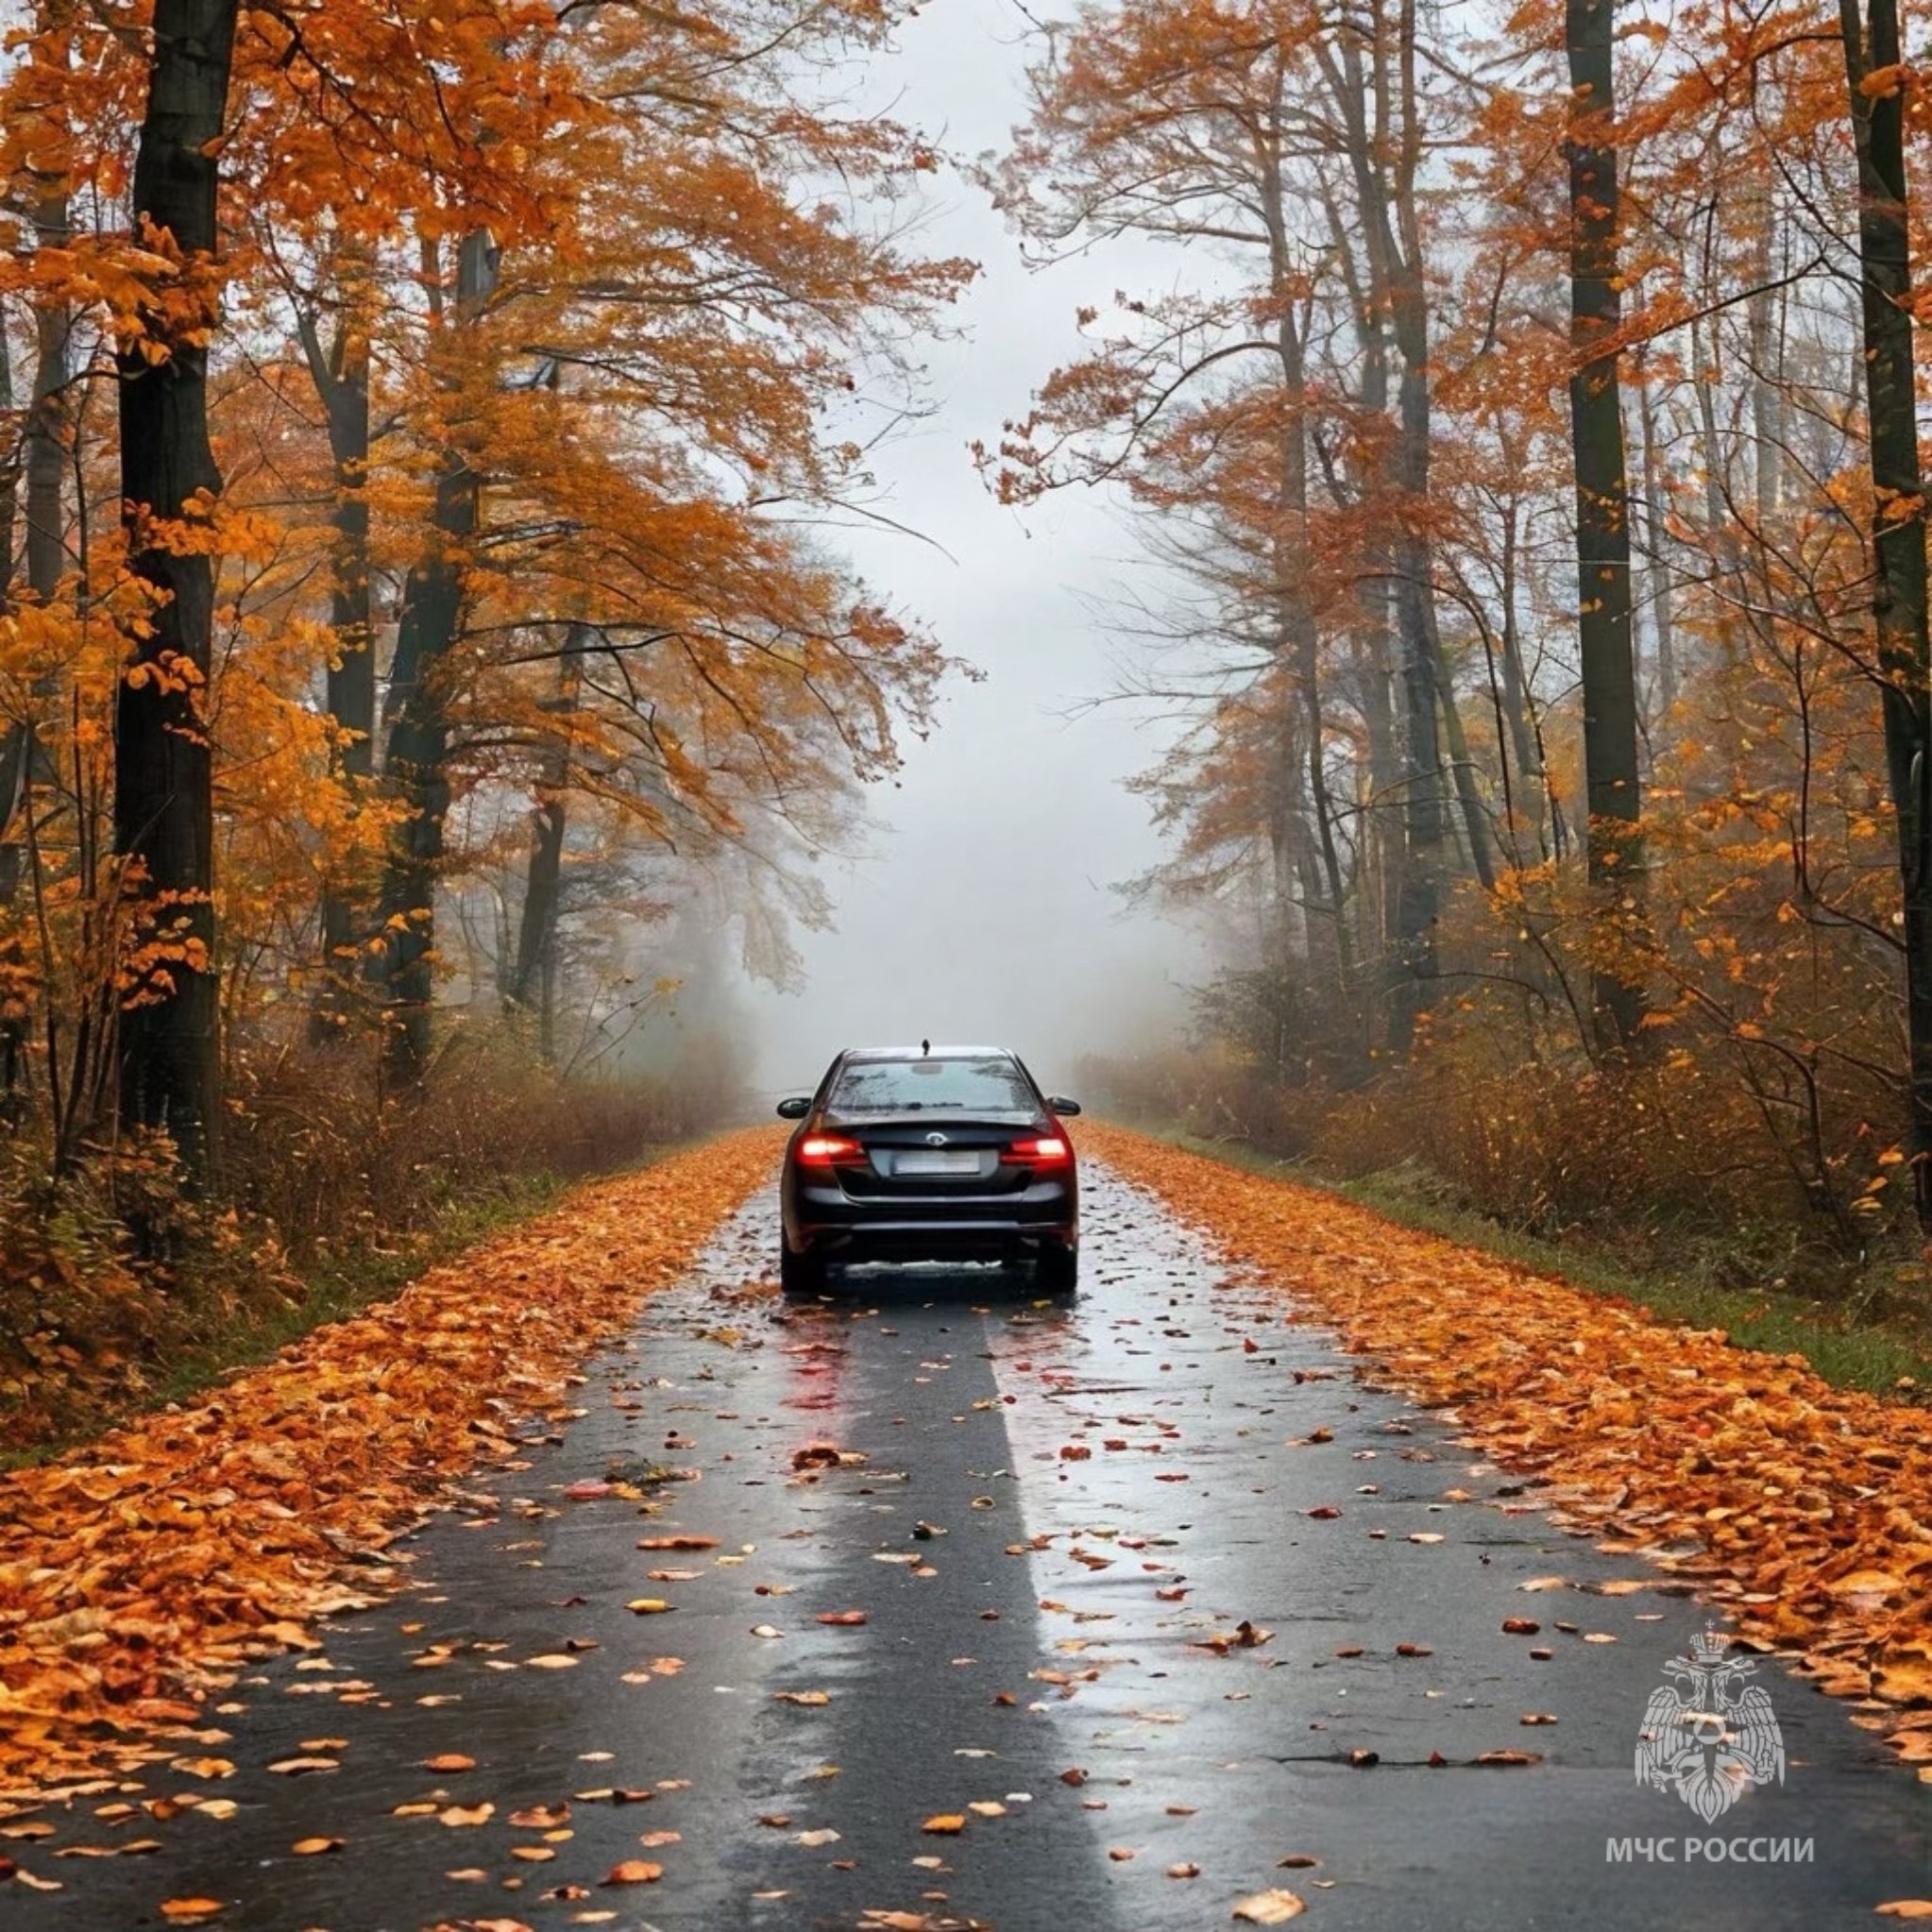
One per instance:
(985, 912)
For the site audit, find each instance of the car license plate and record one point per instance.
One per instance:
(965, 1163)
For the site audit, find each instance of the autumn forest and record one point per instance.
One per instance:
(1532, 432)
(422, 423)
(428, 432)
(506, 1421)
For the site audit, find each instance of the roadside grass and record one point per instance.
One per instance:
(230, 1337)
(354, 1279)
(1848, 1342)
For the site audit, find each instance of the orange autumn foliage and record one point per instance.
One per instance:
(1342, 399)
(666, 390)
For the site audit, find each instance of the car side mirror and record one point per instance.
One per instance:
(793, 1110)
(1060, 1106)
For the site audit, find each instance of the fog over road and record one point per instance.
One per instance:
(1150, 1585)
(985, 904)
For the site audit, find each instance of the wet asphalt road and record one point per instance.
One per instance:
(1111, 1487)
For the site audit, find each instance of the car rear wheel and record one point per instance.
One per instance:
(1058, 1268)
(799, 1274)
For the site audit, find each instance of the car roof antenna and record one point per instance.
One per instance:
(925, 1046)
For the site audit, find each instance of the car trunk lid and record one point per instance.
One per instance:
(919, 1154)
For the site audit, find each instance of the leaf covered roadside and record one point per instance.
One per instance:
(1809, 1507)
(140, 1572)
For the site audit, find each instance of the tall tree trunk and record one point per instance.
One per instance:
(1383, 840)
(1287, 826)
(1533, 785)
(1899, 594)
(45, 450)
(16, 753)
(1661, 597)
(415, 717)
(1380, 821)
(164, 801)
(1384, 153)
(341, 374)
(1392, 301)
(9, 489)
(1425, 823)
(1410, 314)
(1380, 846)
(533, 981)
(415, 768)
(1322, 800)
(1424, 817)
(1298, 644)
(1717, 466)
(1602, 514)
(1462, 769)
(47, 425)
(44, 441)
(1767, 340)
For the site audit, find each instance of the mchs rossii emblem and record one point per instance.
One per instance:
(1709, 1734)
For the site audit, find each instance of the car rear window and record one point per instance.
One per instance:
(957, 1086)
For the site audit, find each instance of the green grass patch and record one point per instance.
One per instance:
(1860, 1340)
(345, 1282)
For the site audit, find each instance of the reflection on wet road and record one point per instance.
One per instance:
(938, 1606)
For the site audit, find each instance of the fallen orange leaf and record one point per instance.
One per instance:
(633, 1871)
(1275, 1907)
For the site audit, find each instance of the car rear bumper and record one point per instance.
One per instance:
(829, 1222)
(935, 1240)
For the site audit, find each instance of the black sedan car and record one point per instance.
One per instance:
(928, 1153)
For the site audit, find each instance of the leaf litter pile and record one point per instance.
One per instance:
(1804, 1511)
(143, 1573)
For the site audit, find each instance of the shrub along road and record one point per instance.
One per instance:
(943, 1606)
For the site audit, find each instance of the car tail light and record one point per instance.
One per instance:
(829, 1150)
(1049, 1150)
